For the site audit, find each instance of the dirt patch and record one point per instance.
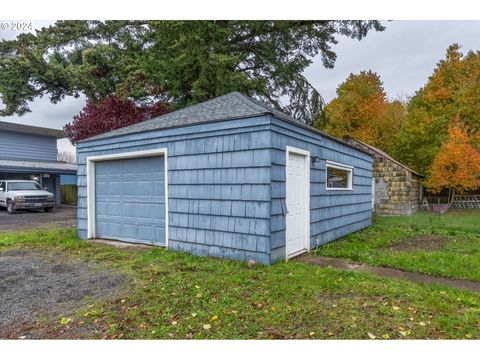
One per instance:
(38, 284)
(421, 242)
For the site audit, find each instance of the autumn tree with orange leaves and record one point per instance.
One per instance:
(456, 166)
(361, 110)
(452, 91)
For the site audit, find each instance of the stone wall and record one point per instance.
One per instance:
(397, 190)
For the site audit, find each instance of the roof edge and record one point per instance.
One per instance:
(31, 129)
(383, 153)
(93, 138)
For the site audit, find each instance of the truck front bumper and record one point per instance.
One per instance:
(40, 205)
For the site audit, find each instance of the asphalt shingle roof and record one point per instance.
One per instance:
(233, 105)
(230, 106)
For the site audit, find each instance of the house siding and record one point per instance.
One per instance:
(218, 185)
(227, 185)
(333, 214)
(24, 146)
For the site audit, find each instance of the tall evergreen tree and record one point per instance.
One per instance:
(180, 62)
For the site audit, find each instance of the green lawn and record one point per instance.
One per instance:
(457, 257)
(181, 296)
(467, 221)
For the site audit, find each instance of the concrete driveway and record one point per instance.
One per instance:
(61, 216)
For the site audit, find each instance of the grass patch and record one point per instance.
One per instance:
(181, 296)
(466, 221)
(381, 244)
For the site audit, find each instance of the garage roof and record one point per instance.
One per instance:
(230, 106)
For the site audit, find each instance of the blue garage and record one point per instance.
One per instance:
(230, 177)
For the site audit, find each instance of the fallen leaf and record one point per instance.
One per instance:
(197, 287)
(207, 326)
(194, 314)
(395, 308)
(421, 323)
(123, 300)
(371, 336)
(468, 336)
(214, 318)
(330, 333)
(65, 321)
(25, 336)
(386, 336)
(405, 333)
(174, 323)
(312, 333)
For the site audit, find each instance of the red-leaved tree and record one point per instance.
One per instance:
(109, 114)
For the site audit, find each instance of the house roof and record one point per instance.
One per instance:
(384, 154)
(29, 129)
(230, 106)
(41, 166)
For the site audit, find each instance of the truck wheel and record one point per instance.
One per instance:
(47, 209)
(10, 207)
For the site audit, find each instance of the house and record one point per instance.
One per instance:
(229, 177)
(30, 153)
(397, 189)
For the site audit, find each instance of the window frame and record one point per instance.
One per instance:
(339, 166)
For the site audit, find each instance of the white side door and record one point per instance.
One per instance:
(298, 202)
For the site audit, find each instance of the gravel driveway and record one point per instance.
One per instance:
(37, 283)
(61, 216)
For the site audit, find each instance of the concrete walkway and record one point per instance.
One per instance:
(324, 261)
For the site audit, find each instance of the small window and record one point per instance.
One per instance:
(339, 177)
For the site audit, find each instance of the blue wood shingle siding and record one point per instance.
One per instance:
(24, 146)
(226, 185)
(218, 185)
(333, 213)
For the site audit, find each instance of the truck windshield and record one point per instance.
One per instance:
(27, 185)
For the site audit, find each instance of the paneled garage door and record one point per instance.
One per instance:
(130, 200)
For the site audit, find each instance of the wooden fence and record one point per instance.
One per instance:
(69, 194)
(466, 201)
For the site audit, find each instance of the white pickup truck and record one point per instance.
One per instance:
(24, 194)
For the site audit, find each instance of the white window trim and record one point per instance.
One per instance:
(91, 231)
(339, 166)
(305, 153)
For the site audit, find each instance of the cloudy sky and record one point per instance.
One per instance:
(404, 55)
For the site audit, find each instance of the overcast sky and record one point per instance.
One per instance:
(404, 55)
